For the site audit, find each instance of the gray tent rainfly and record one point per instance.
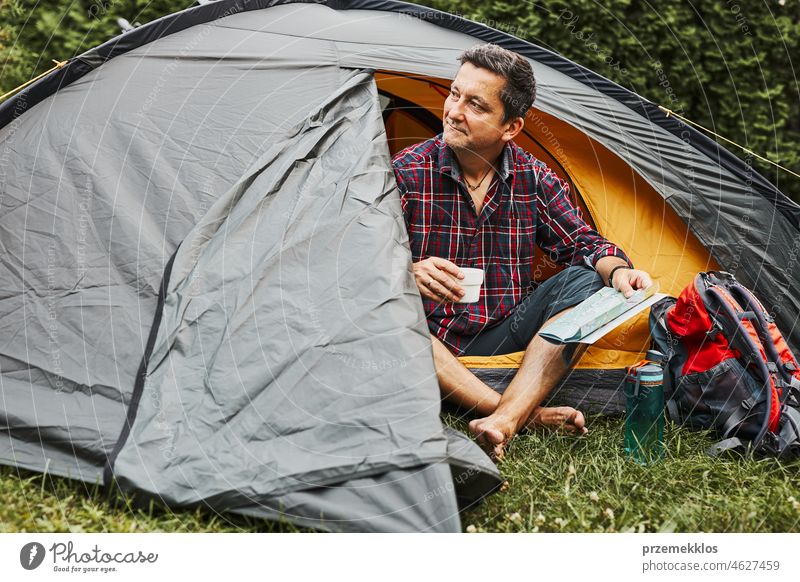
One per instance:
(205, 293)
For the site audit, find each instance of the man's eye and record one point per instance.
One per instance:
(477, 107)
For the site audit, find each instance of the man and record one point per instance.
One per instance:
(472, 198)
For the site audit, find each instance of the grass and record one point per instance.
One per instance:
(555, 483)
(32, 502)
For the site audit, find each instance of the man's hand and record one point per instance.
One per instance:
(437, 279)
(628, 280)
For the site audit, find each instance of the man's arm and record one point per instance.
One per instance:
(567, 238)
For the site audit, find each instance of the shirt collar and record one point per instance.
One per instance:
(448, 164)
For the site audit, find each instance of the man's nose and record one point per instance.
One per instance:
(456, 110)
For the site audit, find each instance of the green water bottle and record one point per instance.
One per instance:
(644, 409)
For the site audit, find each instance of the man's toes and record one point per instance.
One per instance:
(577, 420)
(563, 417)
(498, 451)
(578, 423)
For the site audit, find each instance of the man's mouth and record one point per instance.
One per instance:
(456, 128)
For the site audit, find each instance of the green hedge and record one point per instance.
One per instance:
(723, 63)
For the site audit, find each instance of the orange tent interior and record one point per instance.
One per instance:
(618, 202)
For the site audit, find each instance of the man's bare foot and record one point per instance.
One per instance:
(565, 417)
(492, 434)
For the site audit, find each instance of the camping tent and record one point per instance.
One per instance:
(205, 279)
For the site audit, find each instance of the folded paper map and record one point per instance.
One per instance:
(599, 314)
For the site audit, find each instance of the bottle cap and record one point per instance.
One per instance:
(655, 356)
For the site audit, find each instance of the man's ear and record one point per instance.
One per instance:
(513, 128)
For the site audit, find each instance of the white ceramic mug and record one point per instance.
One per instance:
(472, 281)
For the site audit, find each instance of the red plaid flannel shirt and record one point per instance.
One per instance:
(526, 205)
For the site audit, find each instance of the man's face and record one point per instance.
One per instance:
(473, 112)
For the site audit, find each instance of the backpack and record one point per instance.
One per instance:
(728, 367)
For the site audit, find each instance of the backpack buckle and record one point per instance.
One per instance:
(769, 444)
(713, 332)
(794, 386)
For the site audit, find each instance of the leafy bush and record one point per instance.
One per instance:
(723, 63)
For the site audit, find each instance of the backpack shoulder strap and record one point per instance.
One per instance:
(743, 335)
(777, 349)
(673, 412)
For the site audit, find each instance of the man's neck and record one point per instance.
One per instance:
(474, 165)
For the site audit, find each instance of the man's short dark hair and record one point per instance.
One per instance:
(520, 90)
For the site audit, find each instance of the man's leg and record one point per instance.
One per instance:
(461, 387)
(543, 365)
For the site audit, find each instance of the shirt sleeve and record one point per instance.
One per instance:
(562, 233)
(403, 189)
